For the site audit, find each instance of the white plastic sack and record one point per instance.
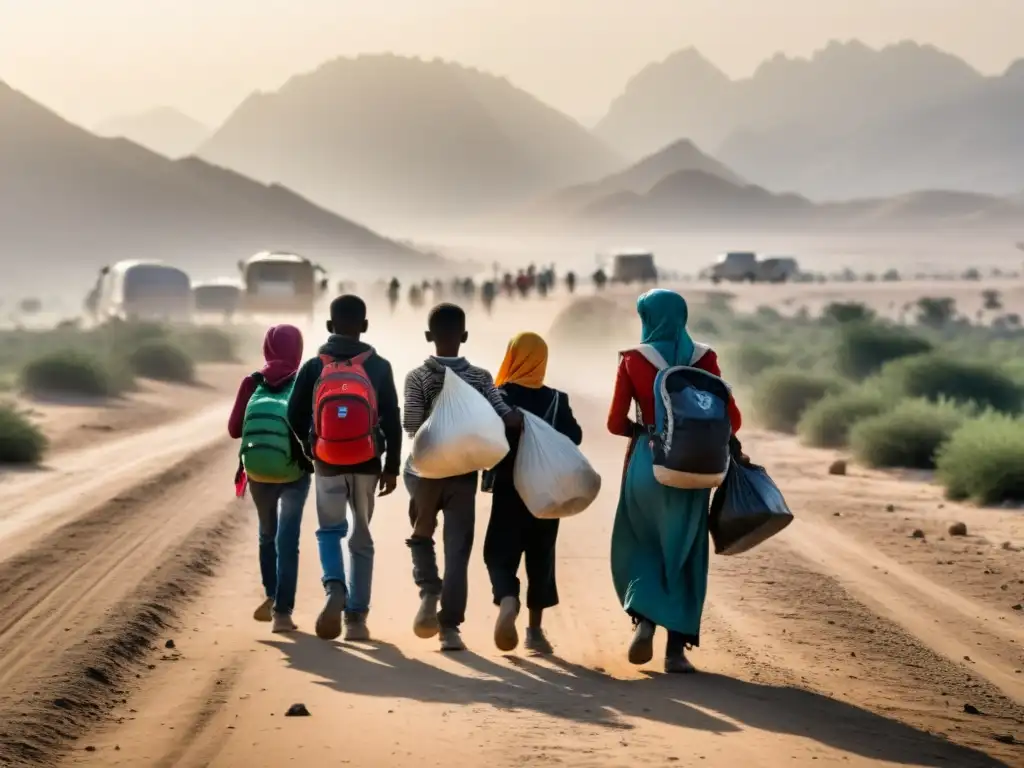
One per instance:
(553, 477)
(462, 434)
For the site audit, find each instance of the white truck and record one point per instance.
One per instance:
(746, 267)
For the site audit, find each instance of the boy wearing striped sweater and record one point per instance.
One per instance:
(454, 497)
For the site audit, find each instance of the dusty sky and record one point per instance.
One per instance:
(91, 59)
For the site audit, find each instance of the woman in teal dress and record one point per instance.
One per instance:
(660, 538)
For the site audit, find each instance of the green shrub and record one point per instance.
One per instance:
(907, 436)
(847, 312)
(863, 348)
(21, 441)
(125, 337)
(984, 460)
(828, 422)
(209, 345)
(749, 360)
(163, 361)
(935, 376)
(781, 396)
(73, 372)
(936, 312)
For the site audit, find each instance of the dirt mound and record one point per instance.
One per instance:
(596, 321)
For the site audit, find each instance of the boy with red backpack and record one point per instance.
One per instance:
(344, 408)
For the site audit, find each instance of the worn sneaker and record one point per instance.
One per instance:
(425, 624)
(266, 610)
(356, 630)
(328, 623)
(506, 637)
(451, 640)
(641, 649)
(537, 642)
(283, 623)
(679, 665)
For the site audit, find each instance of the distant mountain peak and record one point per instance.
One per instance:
(163, 129)
(76, 200)
(397, 138)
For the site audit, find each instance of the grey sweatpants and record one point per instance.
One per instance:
(334, 497)
(455, 498)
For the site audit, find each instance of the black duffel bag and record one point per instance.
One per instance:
(747, 509)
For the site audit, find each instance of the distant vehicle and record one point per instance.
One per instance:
(218, 297)
(281, 283)
(778, 269)
(745, 267)
(140, 290)
(634, 267)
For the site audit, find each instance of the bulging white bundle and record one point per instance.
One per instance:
(462, 434)
(553, 477)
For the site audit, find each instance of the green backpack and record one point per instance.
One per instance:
(266, 451)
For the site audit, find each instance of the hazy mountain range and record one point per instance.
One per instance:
(164, 130)
(693, 200)
(71, 202)
(399, 142)
(637, 179)
(681, 188)
(850, 121)
(387, 138)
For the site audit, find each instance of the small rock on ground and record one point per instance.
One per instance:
(958, 529)
(297, 710)
(837, 467)
(169, 644)
(917, 534)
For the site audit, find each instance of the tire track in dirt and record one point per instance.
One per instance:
(952, 625)
(789, 623)
(87, 602)
(35, 502)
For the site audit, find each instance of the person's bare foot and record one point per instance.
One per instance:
(537, 642)
(328, 623)
(641, 649)
(425, 624)
(265, 612)
(283, 623)
(679, 665)
(451, 640)
(506, 636)
(356, 630)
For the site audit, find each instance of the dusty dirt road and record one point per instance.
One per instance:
(845, 641)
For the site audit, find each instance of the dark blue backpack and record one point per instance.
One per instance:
(690, 438)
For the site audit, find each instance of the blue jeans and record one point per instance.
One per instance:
(334, 497)
(279, 508)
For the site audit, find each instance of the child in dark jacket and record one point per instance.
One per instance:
(512, 531)
(279, 499)
(455, 497)
(339, 487)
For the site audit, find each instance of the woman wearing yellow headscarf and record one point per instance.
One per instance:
(513, 532)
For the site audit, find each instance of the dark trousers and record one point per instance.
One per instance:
(455, 498)
(512, 533)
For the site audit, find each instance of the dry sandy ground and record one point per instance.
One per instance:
(844, 641)
(73, 424)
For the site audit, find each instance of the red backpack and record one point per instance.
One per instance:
(345, 412)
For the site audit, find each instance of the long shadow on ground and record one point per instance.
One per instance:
(585, 696)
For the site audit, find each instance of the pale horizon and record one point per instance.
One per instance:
(107, 58)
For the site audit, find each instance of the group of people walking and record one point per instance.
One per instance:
(334, 423)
